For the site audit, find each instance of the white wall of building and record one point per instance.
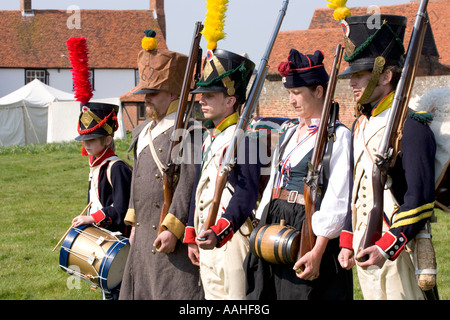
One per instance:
(108, 82)
(11, 80)
(60, 79)
(113, 82)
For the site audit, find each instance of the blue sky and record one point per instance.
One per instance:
(248, 24)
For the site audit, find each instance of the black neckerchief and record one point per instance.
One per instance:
(366, 110)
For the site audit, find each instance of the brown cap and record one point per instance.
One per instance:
(161, 69)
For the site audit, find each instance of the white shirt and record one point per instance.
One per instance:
(328, 221)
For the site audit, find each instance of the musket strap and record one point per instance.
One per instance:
(330, 141)
(158, 162)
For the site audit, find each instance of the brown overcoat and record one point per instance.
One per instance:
(149, 275)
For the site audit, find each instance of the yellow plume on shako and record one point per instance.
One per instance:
(149, 42)
(214, 22)
(340, 10)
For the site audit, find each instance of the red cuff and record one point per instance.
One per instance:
(189, 235)
(346, 240)
(391, 244)
(223, 230)
(98, 216)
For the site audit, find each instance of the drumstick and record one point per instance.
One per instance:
(65, 234)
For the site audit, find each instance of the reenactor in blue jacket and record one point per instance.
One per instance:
(221, 249)
(409, 194)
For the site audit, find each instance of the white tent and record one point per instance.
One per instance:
(24, 113)
(37, 113)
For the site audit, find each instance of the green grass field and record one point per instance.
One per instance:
(42, 188)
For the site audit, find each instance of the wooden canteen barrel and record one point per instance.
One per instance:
(275, 243)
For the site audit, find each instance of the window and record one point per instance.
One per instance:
(92, 79)
(141, 111)
(40, 74)
(136, 77)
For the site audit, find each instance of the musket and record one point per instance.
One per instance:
(247, 112)
(390, 144)
(182, 117)
(311, 181)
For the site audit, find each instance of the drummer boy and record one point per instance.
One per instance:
(109, 176)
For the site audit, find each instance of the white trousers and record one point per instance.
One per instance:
(222, 271)
(396, 280)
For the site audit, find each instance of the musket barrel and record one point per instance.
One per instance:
(254, 91)
(184, 95)
(406, 82)
(247, 112)
(169, 170)
(307, 237)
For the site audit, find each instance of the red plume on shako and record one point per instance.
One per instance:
(96, 119)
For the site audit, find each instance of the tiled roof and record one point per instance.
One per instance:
(325, 33)
(114, 37)
(306, 41)
(130, 96)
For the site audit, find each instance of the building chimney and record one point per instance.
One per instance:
(157, 6)
(25, 7)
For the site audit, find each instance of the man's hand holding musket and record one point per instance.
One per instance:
(207, 239)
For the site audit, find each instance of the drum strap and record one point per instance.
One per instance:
(93, 180)
(108, 170)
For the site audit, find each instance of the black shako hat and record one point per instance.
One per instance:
(227, 72)
(367, 37)
(96, 120)
(303, 70)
